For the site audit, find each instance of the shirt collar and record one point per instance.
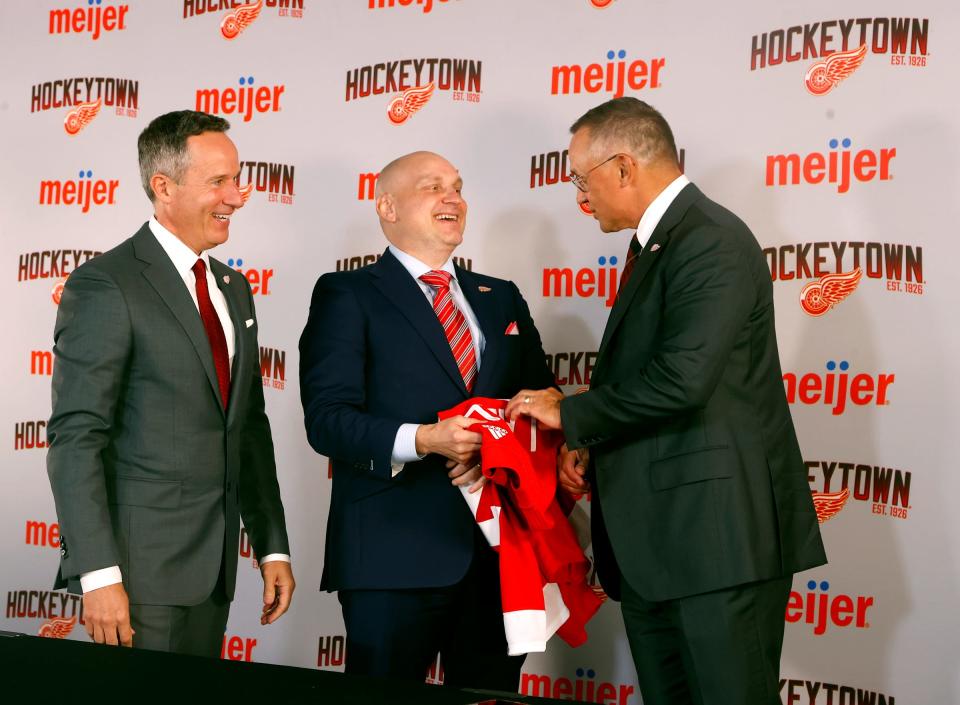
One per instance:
(651, 217)
(418, 268)
(183, 257)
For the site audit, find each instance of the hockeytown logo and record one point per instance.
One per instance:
(411, 83)
(839, 47)
(271, 178)
(838, 267)
(794, 691)
(239, 14)
(85, 97)
(833, 483)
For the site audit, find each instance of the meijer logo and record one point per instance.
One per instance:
(609, 77)
(244, 101)
(821, 609)
(839, 166)
(584, 283)
(91, 20)
(837, 387)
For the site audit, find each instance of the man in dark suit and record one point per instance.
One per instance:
(385, 349)
(158, 441)
(701, 508)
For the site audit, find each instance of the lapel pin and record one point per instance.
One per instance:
(484, 289)
(654, 247)
(226, 278)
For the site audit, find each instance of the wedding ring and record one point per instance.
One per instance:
(526, 400)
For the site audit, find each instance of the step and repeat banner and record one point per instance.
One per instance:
(830, 127)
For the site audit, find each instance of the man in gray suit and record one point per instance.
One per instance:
(158, 441)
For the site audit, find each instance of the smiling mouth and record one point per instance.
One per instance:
(447, 217)
(221, 217)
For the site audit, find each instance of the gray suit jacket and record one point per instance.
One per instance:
(148, 471)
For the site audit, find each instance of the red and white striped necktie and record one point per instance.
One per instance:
(454, 325)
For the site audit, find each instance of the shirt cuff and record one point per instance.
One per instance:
(274, 557)
(404, 447)
(96, 579)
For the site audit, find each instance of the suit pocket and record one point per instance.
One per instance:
(138, 492)
(708, 463)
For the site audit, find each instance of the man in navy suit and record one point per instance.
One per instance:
(385, 349)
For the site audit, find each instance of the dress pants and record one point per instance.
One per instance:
(397, 633)
(196, 629)
(717, 648)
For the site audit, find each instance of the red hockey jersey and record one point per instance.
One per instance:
(543, 571)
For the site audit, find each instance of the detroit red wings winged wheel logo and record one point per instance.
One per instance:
(409, 102)
(818, 297)
(245, 191)
(57, 628)
(828, 504)
(238, 20)
(825, 75)
(80, 116)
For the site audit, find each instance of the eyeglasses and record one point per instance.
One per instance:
(581, 181)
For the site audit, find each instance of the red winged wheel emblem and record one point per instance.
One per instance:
(825, 75)
(245, 191)
(57, 628)
(80, 116)
(828, 504)
(409, 102)
(238, 20)
(818, 297)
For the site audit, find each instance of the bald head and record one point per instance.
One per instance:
(420, 206)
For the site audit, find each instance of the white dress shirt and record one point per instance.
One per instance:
(405, 444)
(183, 259)
(651, 217)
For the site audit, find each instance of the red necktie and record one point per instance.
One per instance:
(454, 325)
(211, 322)
(632, 253)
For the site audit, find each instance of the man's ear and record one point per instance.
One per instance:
(386, 208)
(162, 186)
(627, 169)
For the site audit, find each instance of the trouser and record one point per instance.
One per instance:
(718, 648)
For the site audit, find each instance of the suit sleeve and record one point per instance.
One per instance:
(92, 345)
(333, 353)
(260, 505)
(709, 297)
(536, 373)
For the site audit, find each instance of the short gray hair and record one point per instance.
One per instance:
(635, 124)
(162, 146)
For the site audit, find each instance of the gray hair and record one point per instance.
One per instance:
(162, 146)
(635, 125)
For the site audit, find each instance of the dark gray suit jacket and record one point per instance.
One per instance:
(148, 471)
(695, 461)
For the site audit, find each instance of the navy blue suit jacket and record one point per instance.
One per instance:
(372, 357)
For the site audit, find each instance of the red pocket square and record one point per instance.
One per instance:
(512, 329)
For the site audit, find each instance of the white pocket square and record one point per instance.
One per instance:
(249, 322)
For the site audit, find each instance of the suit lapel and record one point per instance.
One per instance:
(165, 280)
(655, 246)
(399, 288)
(242, 352)
(484, 308)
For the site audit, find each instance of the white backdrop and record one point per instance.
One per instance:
(729, 78)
